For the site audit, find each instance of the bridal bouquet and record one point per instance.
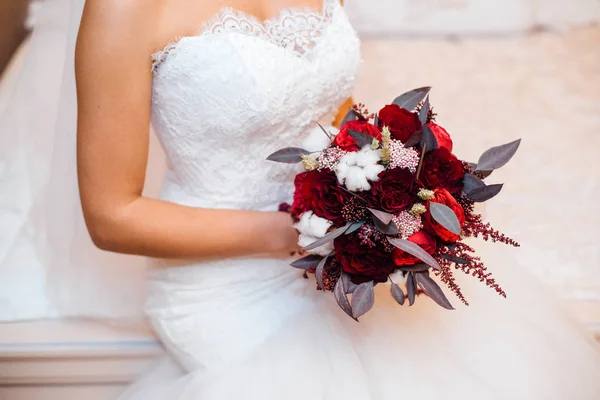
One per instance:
(388, 201)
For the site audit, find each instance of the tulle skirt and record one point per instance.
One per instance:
(522, 347)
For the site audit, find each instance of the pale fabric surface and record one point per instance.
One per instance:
(468, 17)
(253, 328)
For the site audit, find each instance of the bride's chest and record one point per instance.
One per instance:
(232, 81)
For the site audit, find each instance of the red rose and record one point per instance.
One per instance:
(441, 169)
(433, 227)
(402, 123)
(346, 142)
(299, 206)
(362, 262)
(420, 238)
(394, 191)
(442, 137)
(320, 192)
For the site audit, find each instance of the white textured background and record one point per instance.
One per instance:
(469, 17)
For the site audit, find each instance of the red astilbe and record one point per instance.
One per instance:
(363, 111)
(475, 227)
(470, 264)
(331, 274)
(447, 276)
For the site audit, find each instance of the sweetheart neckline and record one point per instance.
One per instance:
(327, 9)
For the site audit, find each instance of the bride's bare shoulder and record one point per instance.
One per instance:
(120, 24)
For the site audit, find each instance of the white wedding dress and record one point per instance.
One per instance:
(254, 328)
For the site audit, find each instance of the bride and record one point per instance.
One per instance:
(242, 80)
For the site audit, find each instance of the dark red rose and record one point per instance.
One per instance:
(362, 262)
(346, 142)
(433, 227)
(299, 206)
(394, 191)
(320, 192)
(442, 137)
(441, 169)
(402, 123)
(420, 238)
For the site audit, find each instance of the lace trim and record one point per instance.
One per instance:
(295, 28)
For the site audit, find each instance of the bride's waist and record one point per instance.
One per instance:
(188, 281)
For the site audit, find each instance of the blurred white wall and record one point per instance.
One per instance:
(468, 17)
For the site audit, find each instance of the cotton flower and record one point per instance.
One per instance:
(356, 169)
(397, 277)
(317, 140)
(312, 228)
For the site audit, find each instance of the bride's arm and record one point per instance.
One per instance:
(114, 94)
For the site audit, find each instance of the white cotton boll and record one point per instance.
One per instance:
(341, 171)
(316, 140)
(356, 180)
(397, 277)
(372, 171)
(318, 226)
(367, 156)
(305, 240)
(349, 158)
(303, 226)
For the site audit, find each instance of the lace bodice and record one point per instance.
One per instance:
(225, 99)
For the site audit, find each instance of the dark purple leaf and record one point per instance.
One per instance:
(431, 289)
(289, 155)
(339, 292)
(410, 100)
(389, 229)
(348, 284)
(355, 226)
(376, 120)
(415, 268)
(428, 139)
(383, 222)
(327, 238)
(319, 272)
(471, 182)
(362, 139)
(359, 115)
(411, 289)
(497, 156)
(382, 216)
(415, 250)
(307, 262)
(445, 217)
(414, 140)
(457, 260)
(424, 111)
(484, 173)
(451, 246)
(363, 299)
(397, 294)
(350, 116)
(482, 194)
